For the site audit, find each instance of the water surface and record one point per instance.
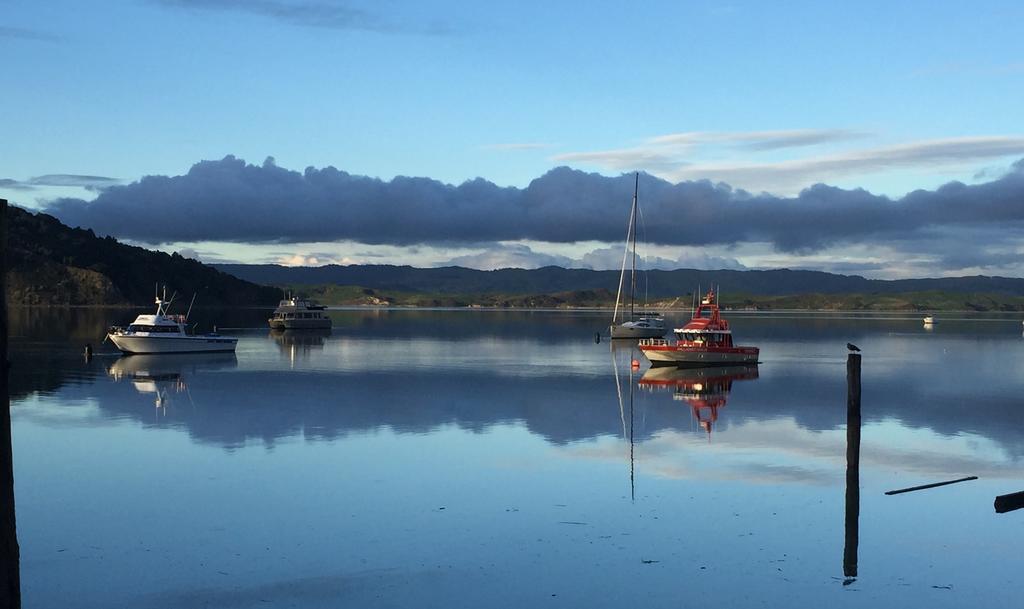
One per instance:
(503, 459)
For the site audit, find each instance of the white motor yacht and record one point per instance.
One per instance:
(299, 314)
(166, 333)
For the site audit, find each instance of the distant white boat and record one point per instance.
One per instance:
(929, 320)
(642, 324)
(165, 333)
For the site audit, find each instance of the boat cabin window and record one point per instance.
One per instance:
(154, 329)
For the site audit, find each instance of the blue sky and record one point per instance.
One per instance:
(886, 96)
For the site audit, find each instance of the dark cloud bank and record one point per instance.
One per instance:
(229, 200)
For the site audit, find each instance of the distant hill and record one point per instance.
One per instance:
(659, 284)
(49, 263)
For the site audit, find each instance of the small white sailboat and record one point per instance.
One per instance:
(640, 324)
(166, 333)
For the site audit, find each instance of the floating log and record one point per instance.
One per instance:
(933, 485)
(1008, 503)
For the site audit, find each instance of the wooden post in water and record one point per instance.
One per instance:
(10, 578)
(852, 465)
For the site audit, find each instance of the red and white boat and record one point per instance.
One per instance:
(705, 340)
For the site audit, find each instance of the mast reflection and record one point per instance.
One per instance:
(706, 390)
(617, 350)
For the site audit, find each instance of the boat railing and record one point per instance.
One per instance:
(653, 342)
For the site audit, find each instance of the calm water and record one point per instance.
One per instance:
(503, 459)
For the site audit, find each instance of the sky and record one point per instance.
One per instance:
(874, 138)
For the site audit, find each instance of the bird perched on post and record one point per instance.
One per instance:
(852, 347)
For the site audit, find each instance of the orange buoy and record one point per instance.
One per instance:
(636, 363)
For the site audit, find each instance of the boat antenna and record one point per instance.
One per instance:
(167, 305)
(189, 312)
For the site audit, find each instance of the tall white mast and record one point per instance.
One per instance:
(632, 222)
(630, 231)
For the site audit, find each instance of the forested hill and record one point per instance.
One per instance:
(659, 284)
(49, 263)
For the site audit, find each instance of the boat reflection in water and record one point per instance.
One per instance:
(299, 344)
(706, 390)
(163, 376)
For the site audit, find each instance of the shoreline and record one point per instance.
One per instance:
(909, 314)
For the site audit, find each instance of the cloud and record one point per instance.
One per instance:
(337, 15)
(625, 159)
(784, 176)
(14, 184)
(209, 257)
(229, 200)
(69, 179)
(611, 258)
(668, 157)
(510, 256)
(60, 180)
(312, 259)
(757, 140)
(188, 252)
(299, 260)
(665, 154)
(26, 34)
(522, 256)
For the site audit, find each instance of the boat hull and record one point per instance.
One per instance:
(300, 324)
(671, 355)
(628, 331)
(127, 343)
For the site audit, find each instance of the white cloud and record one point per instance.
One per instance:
(688, 258)
(664, 153)
(509, 256)
(518, 255)
(625, 159)
(188, 252)
(300, 260)
(791, 175)
(671, 156)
